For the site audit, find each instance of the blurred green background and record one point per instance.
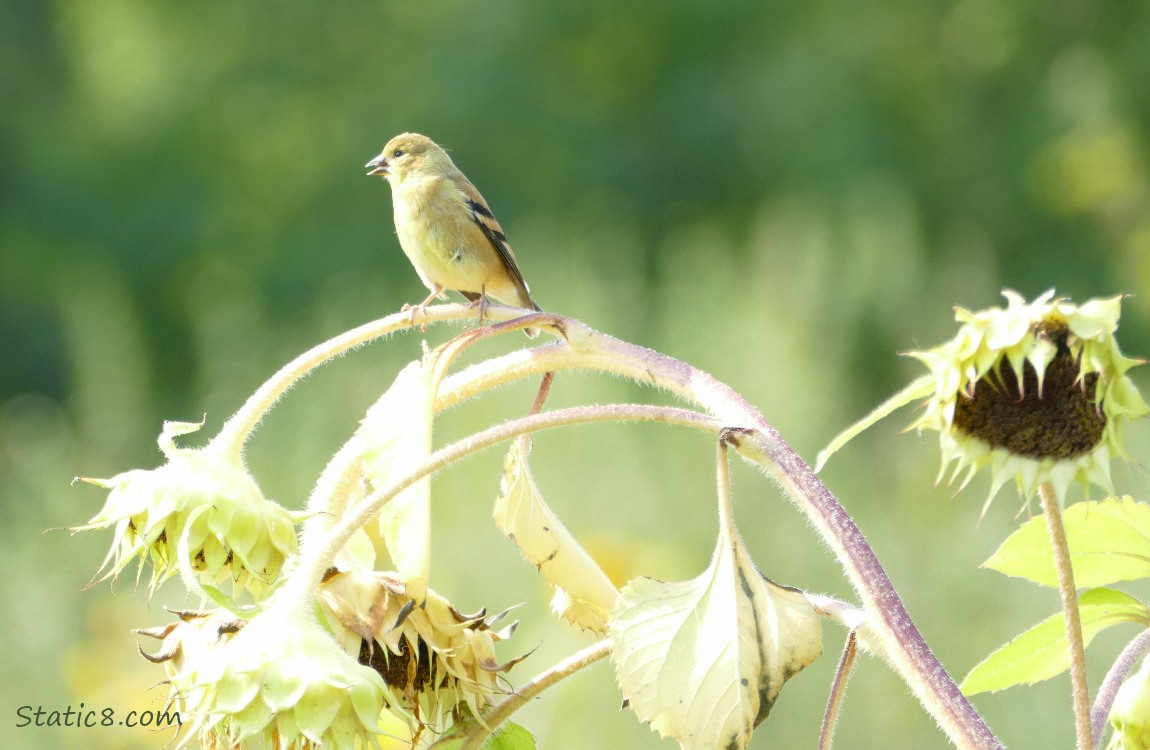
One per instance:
(783, 194)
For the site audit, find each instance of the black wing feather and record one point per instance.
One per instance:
(498, 240)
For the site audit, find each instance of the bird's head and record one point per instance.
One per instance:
(404, 154)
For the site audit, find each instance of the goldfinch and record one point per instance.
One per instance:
(445, 227)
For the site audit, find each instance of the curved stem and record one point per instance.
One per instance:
(316, 558)
(890, 626)
(1069, 594)
(848, 615)
(523, 695)
(1133, 653)
(898, 640)
(240, 426)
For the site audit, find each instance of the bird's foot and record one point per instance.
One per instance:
(481, 303)
(421, 308)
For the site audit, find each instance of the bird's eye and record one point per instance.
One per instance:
(397, 153)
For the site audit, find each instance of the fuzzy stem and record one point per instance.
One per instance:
(541, 396)
(848, 615)
(891, 630)
(317, 555)
(240, 426)
(723, 482)
(838, 691)
(1135, 650)
(890, 627)
(536, 686)
(1069, 593)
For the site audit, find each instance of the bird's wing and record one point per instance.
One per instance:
(488, 224)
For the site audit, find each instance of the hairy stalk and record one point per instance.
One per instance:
(316, 555)
(1134, 652)
(240, 426)
(848, 615)
(891, 630)
(544, 389)
(336, 483)
(838, 691)
(1069, 593)
(535, 687)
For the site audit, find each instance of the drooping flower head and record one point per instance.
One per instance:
(279, 683)
(202, 505)
(439, 664)
(1036, 391)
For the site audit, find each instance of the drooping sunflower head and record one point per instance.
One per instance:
(203, 509)
(440, 665)
(1037, 391)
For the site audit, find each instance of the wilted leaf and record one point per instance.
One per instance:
(396, 435)
(1041, 652)
(703, 661)
(584, 595)
(1109, 542)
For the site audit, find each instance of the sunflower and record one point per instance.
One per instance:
(1037, 391)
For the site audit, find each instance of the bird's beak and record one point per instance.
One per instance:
(378, 165)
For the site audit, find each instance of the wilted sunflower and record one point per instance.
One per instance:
(276, 682)
(1038, 392)
(203, 502)
(439, 664)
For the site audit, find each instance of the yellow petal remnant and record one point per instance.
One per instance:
(203, 501)
(1036, 391)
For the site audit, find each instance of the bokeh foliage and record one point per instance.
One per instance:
(784, 194)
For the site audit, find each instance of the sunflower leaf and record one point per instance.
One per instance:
(1041, 652)
(584, 595)
(1109, 542)
(396, 435)
(703, 660)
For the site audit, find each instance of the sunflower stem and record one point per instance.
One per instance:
(890, 629)
(521, 697)
(838, 691)
(1133, 653)
(319, 548)
(1069, 593)
(242, 424)
(581, 348)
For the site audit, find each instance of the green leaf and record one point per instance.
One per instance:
(584, 595)
(1109, 542)
(509, 736)
(1041, 652)
(703, 660)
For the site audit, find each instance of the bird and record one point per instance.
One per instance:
(446, 228)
